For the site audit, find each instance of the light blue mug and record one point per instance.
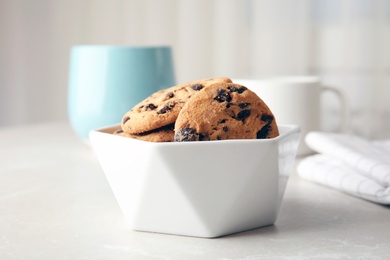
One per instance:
(107, 81)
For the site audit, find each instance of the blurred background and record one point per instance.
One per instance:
(346, 42)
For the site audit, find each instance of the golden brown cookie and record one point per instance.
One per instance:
(163, 107)
(164, 134)
(225, 111)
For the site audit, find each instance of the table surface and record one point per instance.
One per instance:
(55, 203)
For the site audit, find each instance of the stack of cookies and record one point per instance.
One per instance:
(202, 110)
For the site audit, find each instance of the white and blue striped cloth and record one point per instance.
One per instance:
(350, 164)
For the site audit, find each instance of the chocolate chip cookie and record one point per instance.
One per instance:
(225, 111)
(164, 134)
(163, 107)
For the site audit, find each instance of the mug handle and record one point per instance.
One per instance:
(345, 109)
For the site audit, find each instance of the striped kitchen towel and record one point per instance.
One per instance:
(350, 164)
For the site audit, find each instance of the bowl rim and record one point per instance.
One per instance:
(286, 129)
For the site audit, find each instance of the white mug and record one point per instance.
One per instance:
(296, 100)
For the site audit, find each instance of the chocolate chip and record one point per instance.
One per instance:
(186, 135)
(168, 106)
(150, 107)
(197, 87)
(263, 132)
(125, 119)
(141, 107)
(225, 128)
(244, 105)
(267, 118)
(236, 89)
(243, 114)
(223, 96)
(168, 95)
(222, 121)
(218, 137)
(204, 137)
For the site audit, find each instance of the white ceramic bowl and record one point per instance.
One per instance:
(202, 189)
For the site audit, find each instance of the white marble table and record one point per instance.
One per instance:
(55, 203)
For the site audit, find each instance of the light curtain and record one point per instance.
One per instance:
(343, 41)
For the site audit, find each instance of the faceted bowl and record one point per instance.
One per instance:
(202, 189)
